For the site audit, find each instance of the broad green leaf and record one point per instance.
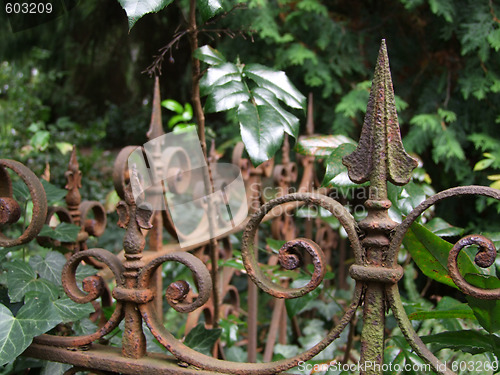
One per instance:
(135, 9)
(64, 232)
(53, 193)
(49, 268)
(227, 96)
(14, 338)
(21, 279)
(321, 145)
(16, 333)
(202, 339)
(468, 341)
(38, 314)
(209, 55)
(487, 312)
(261, 131)
(218, 76)
(277, 82)
(289, 122)
(70, 311)
(336, 173)
(430, 253)
(209, 8)
(442, 228)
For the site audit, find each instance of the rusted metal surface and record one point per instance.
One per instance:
(375, 242)
(10, 208)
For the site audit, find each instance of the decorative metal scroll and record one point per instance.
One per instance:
(375, 242)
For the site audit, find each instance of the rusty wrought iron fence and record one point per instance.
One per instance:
(374, 241)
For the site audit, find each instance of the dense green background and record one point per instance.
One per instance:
(444, 58)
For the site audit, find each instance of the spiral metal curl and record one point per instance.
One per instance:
(289, 253)
(10, 207)
(178, 290)
(485, 257)
(93, 288)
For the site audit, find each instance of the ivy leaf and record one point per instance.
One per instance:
(64, 232)
(261, 131)
(14, 338)
(70, 311)
(16, 333)
(49, 268)
(209, 8)
(21, 279)
(201, 339)
(135, 9)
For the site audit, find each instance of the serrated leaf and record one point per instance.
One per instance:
(261, 131)
(227, 96)
(49, 268)
(209, 55)
(209, 8)
(135, 9)
(53, 193)
(64, 232)
(219, 75)
(321, 145)
(336, 173)
(289, 122)
(487, 312)
(202, 339)
(21, 279)
(277, 82)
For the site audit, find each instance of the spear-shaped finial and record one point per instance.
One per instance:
(380, 155)
(156, 127)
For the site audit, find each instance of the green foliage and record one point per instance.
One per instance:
(135, 9)
(254, 91)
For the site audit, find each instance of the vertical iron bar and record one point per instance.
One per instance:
(378, 158)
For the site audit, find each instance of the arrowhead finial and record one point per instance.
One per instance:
(380, 155)
(156, 126)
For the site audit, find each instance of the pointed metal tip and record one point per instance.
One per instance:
(156, 127)
(73, 161)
